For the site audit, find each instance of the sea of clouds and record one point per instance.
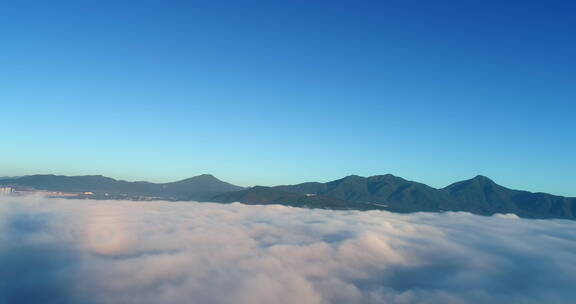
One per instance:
(83, 251)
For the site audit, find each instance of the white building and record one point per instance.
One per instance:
(6, 190)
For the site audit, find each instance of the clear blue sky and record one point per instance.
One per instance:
(273, 92)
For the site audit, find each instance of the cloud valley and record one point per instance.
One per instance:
(83, 251)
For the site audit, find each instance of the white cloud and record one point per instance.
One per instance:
(80, 251)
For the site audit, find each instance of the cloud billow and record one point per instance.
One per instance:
(82, 251)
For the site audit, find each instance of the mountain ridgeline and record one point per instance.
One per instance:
(479, 195)
(202, 187)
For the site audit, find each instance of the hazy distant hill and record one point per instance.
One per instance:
(202, 187)
(479, 195)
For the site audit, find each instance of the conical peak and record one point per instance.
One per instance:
(482, 179)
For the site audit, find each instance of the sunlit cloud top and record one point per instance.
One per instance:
(68, 251)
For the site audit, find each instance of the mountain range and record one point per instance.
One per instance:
(479, 195)
(201, 188)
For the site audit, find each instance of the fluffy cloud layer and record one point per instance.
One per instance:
(71, 251)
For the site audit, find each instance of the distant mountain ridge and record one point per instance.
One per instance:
(201, 187)
(479, 195)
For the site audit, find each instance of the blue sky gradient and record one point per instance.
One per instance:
(278, 92)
